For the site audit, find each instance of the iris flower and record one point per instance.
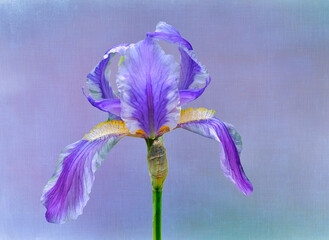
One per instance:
(152, 89)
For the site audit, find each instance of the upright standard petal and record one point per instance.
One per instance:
(193, 75)
(111, 106)
(98, 79)
(147, 82)
(201, 121)
(101, 93)
(189, 95)
(67, 192)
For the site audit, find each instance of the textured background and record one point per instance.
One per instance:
(269, 65)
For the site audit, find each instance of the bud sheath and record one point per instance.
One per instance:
(157, 163)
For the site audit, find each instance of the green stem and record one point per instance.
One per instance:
(158, 169)
(157, 195)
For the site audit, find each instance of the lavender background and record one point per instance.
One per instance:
(269, 64)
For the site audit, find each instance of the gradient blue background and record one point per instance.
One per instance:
(269, 64)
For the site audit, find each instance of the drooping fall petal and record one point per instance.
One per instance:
(202, 122)
(235, 136)
(67, 192)
(147, 82)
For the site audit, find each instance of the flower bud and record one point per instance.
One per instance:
(157, 164)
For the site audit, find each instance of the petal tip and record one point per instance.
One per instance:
(248, 189)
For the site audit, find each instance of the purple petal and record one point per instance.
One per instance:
(147, 82)
(235, 136)
(193, 75)
(67, 192)
(229, 156)
(171, 38)
(163, 27)
(190, 95)
(120, 48)
(112, 106)
(97, 80)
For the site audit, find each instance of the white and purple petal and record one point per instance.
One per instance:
(67, 192)
(189, 95)
(193, 75)
(98, 82)
(98, 79)
(147, 82)
(111, 106)
(206, 125)
(235, 136)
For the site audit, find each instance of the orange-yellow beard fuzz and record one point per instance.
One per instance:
(139, 133)
(162, 131)
(195, 114)
(104, 129)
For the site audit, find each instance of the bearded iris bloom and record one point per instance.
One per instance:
(152, 89)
